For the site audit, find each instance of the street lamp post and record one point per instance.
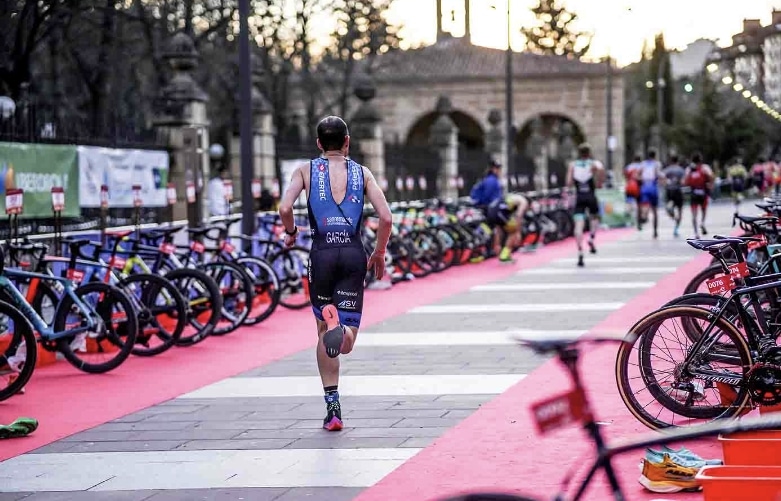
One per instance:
(609, 114)
(245, 121)
(509, 96)
(660, 85)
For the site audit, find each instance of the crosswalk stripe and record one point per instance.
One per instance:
(516, 308)
(457, 338)
(625, 260)
(561, 286)
(629, 270)
(365, 385)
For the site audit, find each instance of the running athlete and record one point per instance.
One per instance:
(506, 213)
(336, 189)
(648, 174)
(673, 175)
(699, 178)
(586, 175)
(632, 190)
(737, 176)
(758, 176)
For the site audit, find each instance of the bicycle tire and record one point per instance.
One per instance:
(22, 333)
(104, 309)
(640, 330)
(231, 318)
(149, 314)
(265, 285)
(43, 292)
(292, 284)
(204, 315)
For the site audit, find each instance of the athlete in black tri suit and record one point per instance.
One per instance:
(337, 260)
(586, 175)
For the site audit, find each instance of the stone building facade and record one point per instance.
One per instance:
(558, 102)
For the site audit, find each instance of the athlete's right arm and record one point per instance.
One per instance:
(287, 202)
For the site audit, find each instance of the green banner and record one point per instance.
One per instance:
(36, 169)
(613, 208)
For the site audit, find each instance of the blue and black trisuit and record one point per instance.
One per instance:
(337, 260)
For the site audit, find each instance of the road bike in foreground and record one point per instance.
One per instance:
(574, 406)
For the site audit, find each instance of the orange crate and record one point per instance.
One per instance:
(732, 483)
(769, 409)
(105, 345)
(752, 448)
(727, 395)
(44, 357)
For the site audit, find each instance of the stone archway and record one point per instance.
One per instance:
(551, 138)
(471, 135)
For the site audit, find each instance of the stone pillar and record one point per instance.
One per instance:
(444, 137)
(366, 127)
(182, 124)
(494, 143)
(263, 133)
(538, 151)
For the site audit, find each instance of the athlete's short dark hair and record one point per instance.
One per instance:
(697, 158)
(652, 154)
(332, 133)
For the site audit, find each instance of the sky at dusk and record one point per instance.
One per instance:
(619, 26)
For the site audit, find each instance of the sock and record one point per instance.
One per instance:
(332, 405)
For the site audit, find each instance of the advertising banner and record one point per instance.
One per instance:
(36, 169)
(287, 167)
(120, 170)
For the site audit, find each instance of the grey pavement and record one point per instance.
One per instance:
(269, 446)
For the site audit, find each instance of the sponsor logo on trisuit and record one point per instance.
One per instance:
(349, 294)
(321, 182)
(337, 237)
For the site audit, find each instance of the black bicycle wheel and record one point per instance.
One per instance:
(291, 267)
(45, 302)
(18, 350)
(203, 303)
(235, 287)
(111, 341)
(161, 310)
(657, 374)
(265, 291)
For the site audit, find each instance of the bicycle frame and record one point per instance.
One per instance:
(604, 453)
(39, 324)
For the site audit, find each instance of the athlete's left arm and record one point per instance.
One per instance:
(570, 179)
(377, 198)
(289, 199)
(598, 171)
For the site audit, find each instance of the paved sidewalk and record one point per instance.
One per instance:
(257, 436)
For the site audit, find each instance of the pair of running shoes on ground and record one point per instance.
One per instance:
(669, 470)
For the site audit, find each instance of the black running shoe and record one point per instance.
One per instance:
(333, 417)
(334, 336)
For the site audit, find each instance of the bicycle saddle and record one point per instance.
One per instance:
(709, 243)
(556, 342)
(757, 219)
(199, 231)
(119, 233)
(168, 231)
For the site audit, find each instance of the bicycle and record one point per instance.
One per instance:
(731, 352)
(573, 406)
(85, 321)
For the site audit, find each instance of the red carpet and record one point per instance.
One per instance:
(498, 449)
(66, 401)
